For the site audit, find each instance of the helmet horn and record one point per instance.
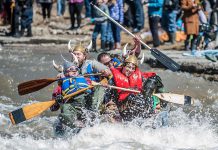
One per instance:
(124, 52)
(89, 46)
(69, 46)
(143, 58)
(75, 60)
(59, 68)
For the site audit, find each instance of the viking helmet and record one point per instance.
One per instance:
(132, 59)
(79, 47)
(68, 64)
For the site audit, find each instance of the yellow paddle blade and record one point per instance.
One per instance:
(35, 109)
(29, 111)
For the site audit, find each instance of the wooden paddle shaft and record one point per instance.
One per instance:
(123, 89)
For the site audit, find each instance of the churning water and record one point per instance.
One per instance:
(190, 127)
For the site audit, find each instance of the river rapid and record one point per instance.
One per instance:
(190, 127)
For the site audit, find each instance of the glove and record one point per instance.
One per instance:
(59, 99)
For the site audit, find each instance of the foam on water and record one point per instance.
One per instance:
(185, 131)
(117, 136)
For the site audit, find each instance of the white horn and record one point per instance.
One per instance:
(59, 68)
(89, 46)
(69, 46)
(143, 58)
(124, 53)
(75, 60)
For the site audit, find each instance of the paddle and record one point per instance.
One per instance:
(169, 97)
(35, 85)
(175, 98)
(35, 109)
(165, 60)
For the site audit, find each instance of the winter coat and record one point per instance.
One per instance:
(155, 8)
(190, 17)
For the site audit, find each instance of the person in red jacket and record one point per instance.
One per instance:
(133, 105)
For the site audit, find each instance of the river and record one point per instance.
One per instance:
(190, 127)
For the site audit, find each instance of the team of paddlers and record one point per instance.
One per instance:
(117, 90)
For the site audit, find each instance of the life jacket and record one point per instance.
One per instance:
(116, 62)
(133, 81)
(71, 85)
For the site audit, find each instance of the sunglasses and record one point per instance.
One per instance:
(72, 70)
(107, 63)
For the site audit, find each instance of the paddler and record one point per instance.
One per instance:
(72, 111)
(87, 66)
(133, 105)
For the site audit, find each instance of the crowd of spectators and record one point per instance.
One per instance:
(169, 15)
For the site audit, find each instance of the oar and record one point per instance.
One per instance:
(175, 98)
(169, 97)
(165, 60)
(35, 85)
(35, 109)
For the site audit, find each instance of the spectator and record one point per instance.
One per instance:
(214, 19)
(27, 17)
(170, 11)
(109, 38)
(154, 14)
(101, 25)
(46, 10)
(61, 7)
(89, 8)
(116, 12)
(75, 8)
(191, 22)
(137, 11)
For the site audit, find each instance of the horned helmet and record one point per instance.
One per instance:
(79, 47)
(131, 58)
(62, 68)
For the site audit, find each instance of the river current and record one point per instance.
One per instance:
(190, 127)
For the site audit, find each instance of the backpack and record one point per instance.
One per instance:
(171, 4)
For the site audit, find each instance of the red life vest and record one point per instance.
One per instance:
(133, 81)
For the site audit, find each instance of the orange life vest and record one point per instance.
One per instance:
(133, 81)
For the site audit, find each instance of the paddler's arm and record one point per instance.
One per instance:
(101, 68)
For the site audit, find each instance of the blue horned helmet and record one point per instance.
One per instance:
(67, 64)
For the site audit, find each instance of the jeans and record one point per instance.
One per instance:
(110, 38)
(102, 29)
(116, 32)
(169, 21)
(27, 17)
(89, 8)
(60, 7)
(138, 14)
